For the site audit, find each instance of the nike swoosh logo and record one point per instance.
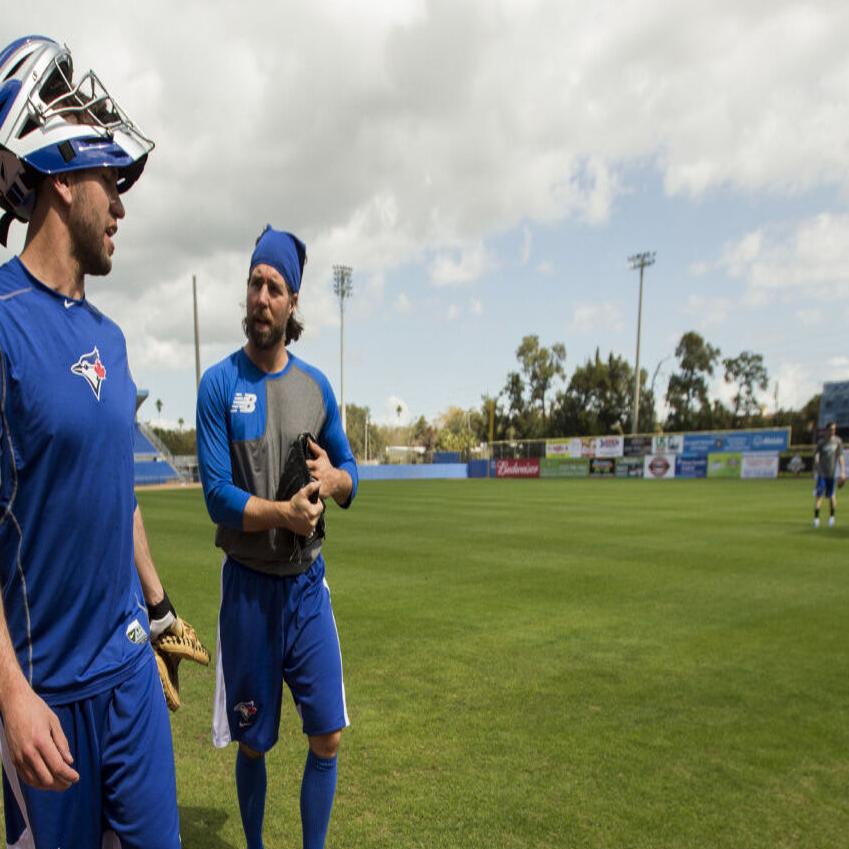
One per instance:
(69, 304)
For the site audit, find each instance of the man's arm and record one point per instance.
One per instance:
(333, 462)
(299, 515)
(37, 744)
(152, 587)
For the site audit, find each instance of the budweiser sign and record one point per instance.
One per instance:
(517, 468)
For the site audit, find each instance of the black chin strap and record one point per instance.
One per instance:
(5, 224)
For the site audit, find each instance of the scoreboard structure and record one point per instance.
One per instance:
(834, 406)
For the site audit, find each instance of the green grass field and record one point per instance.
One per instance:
(618, 664)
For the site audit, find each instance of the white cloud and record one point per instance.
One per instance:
(453, 312)
(796, 384)
(590, 317)
(527, 244)
(545, 267)
(810, 317)
(458, 268)
(809, 257)
(709, 311)
(402, 304)
(475, 306)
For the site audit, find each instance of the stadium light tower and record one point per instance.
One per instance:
(197, 333)
(342, 289)
(640, 261)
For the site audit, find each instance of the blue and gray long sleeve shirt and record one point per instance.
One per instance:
(246, 421)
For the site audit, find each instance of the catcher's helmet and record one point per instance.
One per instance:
(49, 124)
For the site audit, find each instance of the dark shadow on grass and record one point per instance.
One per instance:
(200, 828)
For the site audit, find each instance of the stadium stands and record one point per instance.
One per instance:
(151, 464)
(141, 444)
(154, 471)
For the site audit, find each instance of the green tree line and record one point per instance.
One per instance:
(537, 401)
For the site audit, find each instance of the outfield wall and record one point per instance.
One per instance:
(739, 454)
(412, 471)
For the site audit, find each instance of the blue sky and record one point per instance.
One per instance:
(486, 168)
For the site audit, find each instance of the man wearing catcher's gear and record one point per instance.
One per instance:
(276, 623)
(82, 707)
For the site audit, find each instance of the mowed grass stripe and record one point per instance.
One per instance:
(555, 664)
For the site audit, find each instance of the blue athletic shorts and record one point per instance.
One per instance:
(127, 794)
(270, 630)
(825, 487)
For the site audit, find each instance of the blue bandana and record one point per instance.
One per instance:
(283, 252)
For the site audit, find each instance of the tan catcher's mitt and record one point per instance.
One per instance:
(171, 644)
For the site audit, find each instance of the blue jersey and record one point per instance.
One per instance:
(246, 421)
(71, 593)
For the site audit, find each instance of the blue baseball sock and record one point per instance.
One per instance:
(317, 791)
(250, 788)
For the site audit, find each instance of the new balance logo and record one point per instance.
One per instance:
(243, 402)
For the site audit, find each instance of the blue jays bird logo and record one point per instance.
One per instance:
(92, 369)
(247, 711)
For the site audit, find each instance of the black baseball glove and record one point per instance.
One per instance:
(296, 476)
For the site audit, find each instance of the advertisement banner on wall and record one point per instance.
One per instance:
(742, 441)
(659, 466)
(557, 448)
(690, 466)
(608, 446)
(602, 467)
(629, 467)
(564, 467)
(724, 465)
(587, 446)
(525, 468)
(759, 465)
(637, 446)
(576, 448)
(667, 443)
(796, 464)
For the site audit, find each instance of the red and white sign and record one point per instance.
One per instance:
(555, 448)
(759, 465)
(659, 466)
(528, 468)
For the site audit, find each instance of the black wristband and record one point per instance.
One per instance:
(162, 608)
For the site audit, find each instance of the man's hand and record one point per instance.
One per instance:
(304, 509)
(335, 483)
(322, 470)
(37, 744)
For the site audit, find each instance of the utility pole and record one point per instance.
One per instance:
(342, 289)
(640, 261)
(197, 334)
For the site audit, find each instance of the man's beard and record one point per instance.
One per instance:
(87, 244)
(263, 338)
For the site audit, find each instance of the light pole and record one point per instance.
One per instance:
(342, 289)
(366, 434)
(639, 261)
(197, 333)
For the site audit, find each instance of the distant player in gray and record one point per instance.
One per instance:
(828, 456)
